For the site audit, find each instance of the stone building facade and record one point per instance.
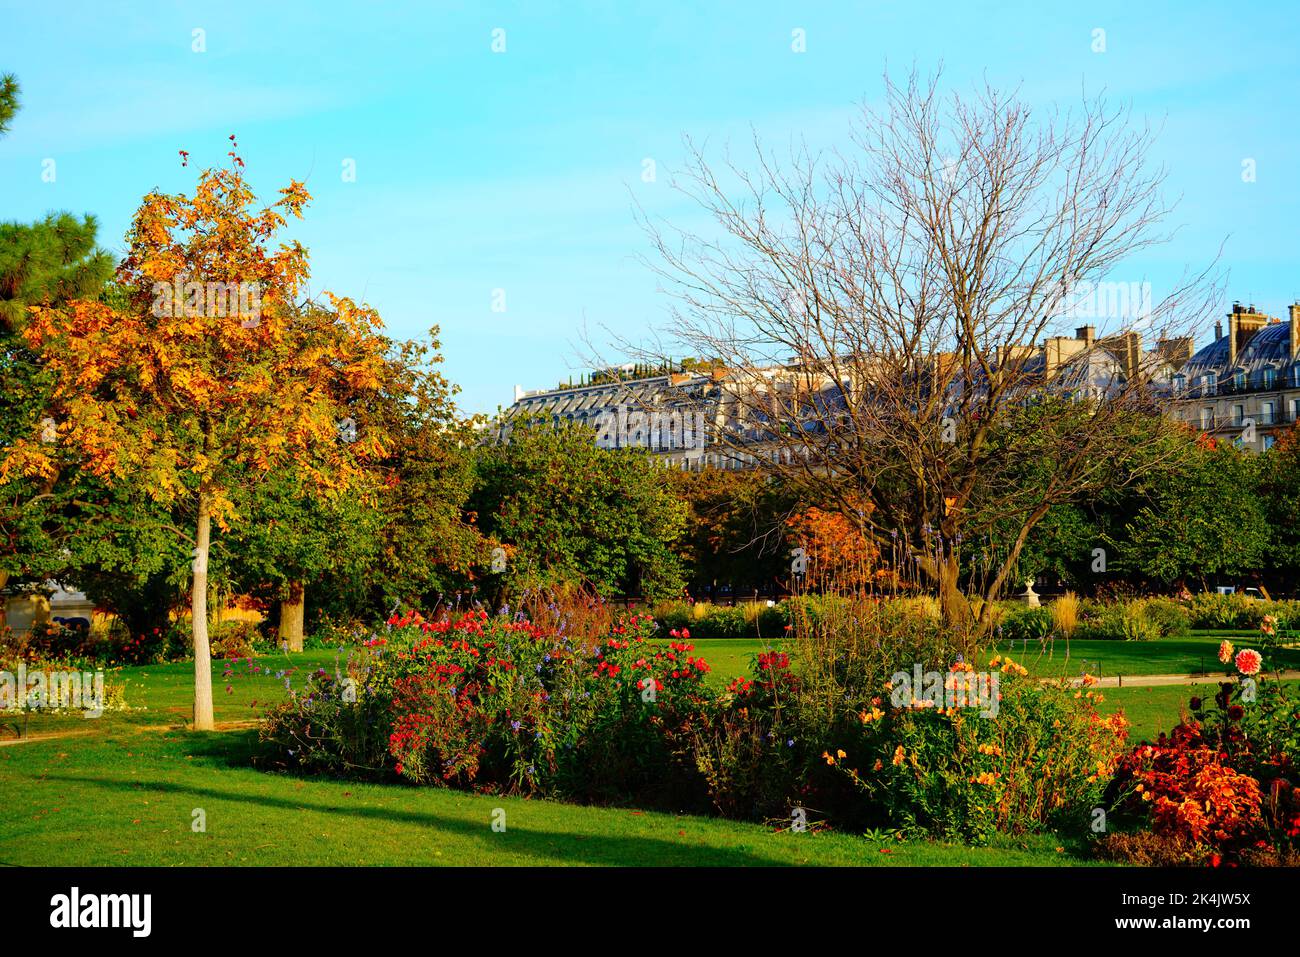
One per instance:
(1244, 386)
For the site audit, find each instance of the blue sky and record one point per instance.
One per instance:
(478, 171)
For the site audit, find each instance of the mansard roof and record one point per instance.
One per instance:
(1268, 348)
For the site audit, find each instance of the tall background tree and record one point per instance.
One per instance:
(570, 511)
(1278, 490)
(877, 313)
(1204, 523)
(735, 535)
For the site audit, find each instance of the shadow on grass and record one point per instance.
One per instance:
(542, 845)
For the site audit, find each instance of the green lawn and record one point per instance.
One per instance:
(129, 796)
(1166, 656)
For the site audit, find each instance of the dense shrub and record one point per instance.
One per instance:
(501, 704)
(749, 756)
(235, 639)
(1169, 617)
(704, 620)
(334, 632)
(171, 642)
(1214, 611)
(1137, 619)
(1024, 624)
(52, 641)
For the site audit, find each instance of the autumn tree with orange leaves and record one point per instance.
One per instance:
(204, 377)
(833, 551)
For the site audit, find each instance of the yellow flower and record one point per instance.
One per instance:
(827, 756)
(898, 755)
(840, 754)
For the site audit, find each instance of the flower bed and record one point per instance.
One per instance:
(1222, 786)
(500, 704)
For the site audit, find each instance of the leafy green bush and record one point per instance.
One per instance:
(235, 639)
(1027, 624)
(1214, 611)
(503, 705)
(500, 704)
(705, 620)
(1169, 617)
(334, 632)
(52, 641)
(1132, 620)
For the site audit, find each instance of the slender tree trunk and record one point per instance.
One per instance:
(199, 622)
(991, 593)
(292, 611)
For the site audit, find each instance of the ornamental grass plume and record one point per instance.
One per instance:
(1065, 615)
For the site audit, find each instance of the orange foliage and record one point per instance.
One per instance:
(839, 554)
(184, 398)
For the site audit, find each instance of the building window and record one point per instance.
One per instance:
(1266, 413)
(1207, 418)
(1239, 382)
(1180, 382)
(1210, 382)
(1266, 378)
(1268, 442)
(1238, 415)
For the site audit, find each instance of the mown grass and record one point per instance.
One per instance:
(1165, 656)
(129, 797)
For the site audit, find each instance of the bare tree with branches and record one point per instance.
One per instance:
(887, 327)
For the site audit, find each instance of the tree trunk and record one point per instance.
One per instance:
(199, 622)
(292, 610)
(956, 610)
(4, 600)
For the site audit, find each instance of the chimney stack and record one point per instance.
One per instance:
(1087, 333)
(1294, 311)
(1218, 331)
(1242, 324)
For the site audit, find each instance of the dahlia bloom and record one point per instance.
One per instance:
(1248, 661)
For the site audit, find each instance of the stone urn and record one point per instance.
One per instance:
(1029, 596)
